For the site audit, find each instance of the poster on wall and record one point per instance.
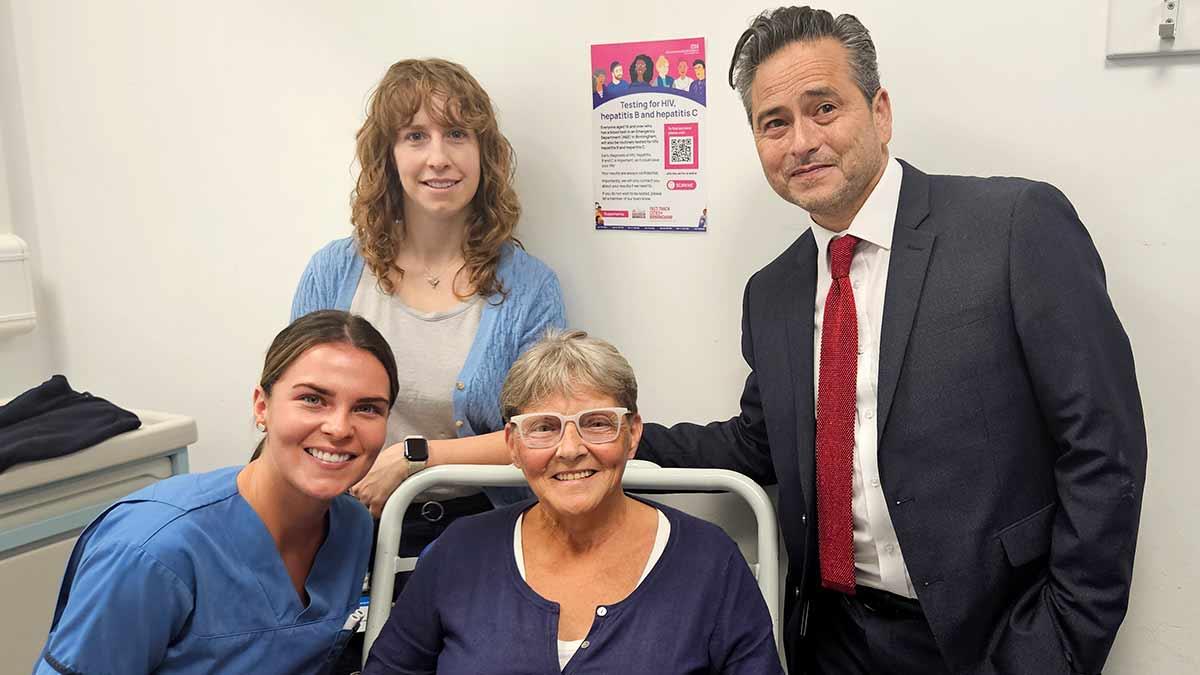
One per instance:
(648, 117)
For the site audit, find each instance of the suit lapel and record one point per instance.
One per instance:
(801, 293)
(906, 277)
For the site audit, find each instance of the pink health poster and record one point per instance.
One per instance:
(648, 115)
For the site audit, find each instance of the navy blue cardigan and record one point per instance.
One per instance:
(467, 610)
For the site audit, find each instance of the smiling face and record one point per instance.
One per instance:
(822, 146)
(683, 68)
(639, 70)
(438, 167)
(326, 419)
(699, 68)
(662, 65)
(575, 478)
(617, 73)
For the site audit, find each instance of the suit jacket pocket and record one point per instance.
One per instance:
(1029, 538)
(938, 324)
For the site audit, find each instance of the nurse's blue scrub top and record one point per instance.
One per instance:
(183, 577)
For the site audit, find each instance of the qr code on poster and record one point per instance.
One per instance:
(682, 148)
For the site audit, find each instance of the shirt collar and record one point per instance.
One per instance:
(876, 219)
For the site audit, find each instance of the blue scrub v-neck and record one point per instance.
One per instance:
(267, 564)
(183, 578)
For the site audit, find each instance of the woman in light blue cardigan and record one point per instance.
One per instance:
(434, 265)
(507, 327)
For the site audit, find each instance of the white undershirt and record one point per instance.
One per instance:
(567, 648)
(878, 561)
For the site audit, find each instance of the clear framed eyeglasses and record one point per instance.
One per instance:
(541, 430)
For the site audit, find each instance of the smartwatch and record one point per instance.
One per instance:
(416, 451)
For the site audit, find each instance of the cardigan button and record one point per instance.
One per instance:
(458, 424)
(461, 386)
(584, 644)
(601, 611)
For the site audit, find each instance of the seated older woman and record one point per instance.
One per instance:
(584, 578)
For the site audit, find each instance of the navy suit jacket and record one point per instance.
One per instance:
(1012, 448)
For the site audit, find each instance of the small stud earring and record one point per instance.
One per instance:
(261, 426)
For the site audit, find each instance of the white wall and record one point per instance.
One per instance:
(24, 359)
(176, 163)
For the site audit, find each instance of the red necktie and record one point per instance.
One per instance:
(835, 422)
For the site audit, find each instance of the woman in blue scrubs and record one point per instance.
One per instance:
(254, 569)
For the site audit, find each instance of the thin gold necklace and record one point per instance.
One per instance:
(434, 279)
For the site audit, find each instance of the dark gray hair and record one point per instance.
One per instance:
(775, 29)
(563, 362)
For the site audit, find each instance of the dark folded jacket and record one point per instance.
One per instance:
(52, 420)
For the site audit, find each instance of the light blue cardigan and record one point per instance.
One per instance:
(506, 329)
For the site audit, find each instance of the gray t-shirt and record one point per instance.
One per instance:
(430, 349)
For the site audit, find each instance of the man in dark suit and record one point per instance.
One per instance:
(939, 384)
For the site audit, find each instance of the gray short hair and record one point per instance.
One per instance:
(775, 29)
(563, 362)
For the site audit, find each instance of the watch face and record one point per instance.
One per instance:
(416, 449)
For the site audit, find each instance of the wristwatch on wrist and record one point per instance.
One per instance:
(416, 451)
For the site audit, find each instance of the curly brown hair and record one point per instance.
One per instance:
(378, 199)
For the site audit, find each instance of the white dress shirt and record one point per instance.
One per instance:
(878, 561)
